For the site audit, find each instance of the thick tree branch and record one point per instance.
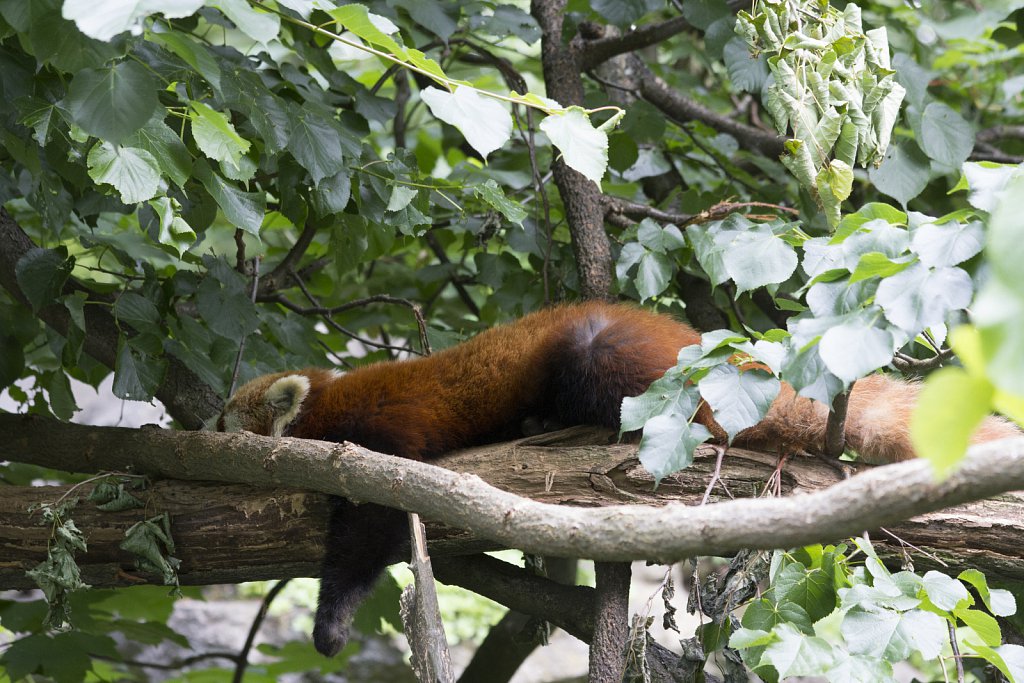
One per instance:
(879, 497)
(581, 197)
(187, 398)
(611, 622)
(601, 49)
(681, 109)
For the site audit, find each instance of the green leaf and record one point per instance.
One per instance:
(987, 182)
(739, 399)
(491, 192)
(668, 444)
(856, 348)
(242, 209)
(104, 19)
(41, 274)
(332, 194)
(216, 136)
(136, 376)
(903, 174)
(947, 244)
(875, 264)
(137, 311)
(945, 592)
(668, 395)
(949, 408)
(132, 171)
(1009, 659)
(659, 239)
(583, 147)
(922, 297)
(112, 103)
(624, 12)
(945, 135)
(796, 654)
(999, 601)
(484, 122)
(227, 309)
(983, 624)
(366, 25)
(62, 400)
(756, 257)
(893, 635)
(192, 52)
(812, 589)
(259, 25)
(166, 147)
(654, 275)
(859, 669)
(433, 16)
(316, 144)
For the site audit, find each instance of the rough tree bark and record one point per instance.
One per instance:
(230, 533)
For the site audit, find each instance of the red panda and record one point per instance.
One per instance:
(573, 364)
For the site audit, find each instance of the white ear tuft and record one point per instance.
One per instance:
(285, 397)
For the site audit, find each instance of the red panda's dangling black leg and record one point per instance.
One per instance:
(361, 542)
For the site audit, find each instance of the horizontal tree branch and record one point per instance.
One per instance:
(879, 497)
(602, 48)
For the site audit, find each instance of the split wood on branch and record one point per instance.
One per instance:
(879, 497)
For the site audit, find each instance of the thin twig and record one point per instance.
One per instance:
(956, 653)
(717, 474)
(927, 554)
(243, 655)
(909, 365)
(241, 342)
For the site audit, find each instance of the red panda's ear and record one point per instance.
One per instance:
(285, 397)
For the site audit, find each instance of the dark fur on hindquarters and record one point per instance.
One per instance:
(359, 546)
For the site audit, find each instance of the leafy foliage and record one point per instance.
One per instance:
(254, 184)
(825, 616)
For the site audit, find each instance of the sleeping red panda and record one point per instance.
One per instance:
(573, 364)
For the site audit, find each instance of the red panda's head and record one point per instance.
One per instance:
(266, 405)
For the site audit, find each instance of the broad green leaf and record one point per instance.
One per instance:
(658, 238)
(484, 122)
(807, 374)
(104, 19)
(1006, 238)
(948, 244)
(839, 297)
(765, 615)
(492, 193)
(668, 395)
(372, 28)
(746, 637)
(316, 143)
(132, 171)
(950, 407)
(999, 601)
(739, 399)
(583, 147)
(227, 309)
(945, 135)
(1009, 659)
(921, 297)
(432, 15)
(987, 180)
(811, 589)
(668, 444)
(856, 348)
(945, 592)
(243, 209)
(259, 25)
(400, 197)
(757, 257)
(171, 154)
(653, 275)
(61, 399)
(893, 635)
(137, 311)
(624, 12)
(746, 73)
(136, 376)
(216, 136)
(41, 274)
(875, 264)
(796, 654)
(332, 194)
(859, 669)
(192, 52)
(983, 624)
(174, 231)
(903, 174)
(112, 103)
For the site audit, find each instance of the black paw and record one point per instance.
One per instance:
(329, 636)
